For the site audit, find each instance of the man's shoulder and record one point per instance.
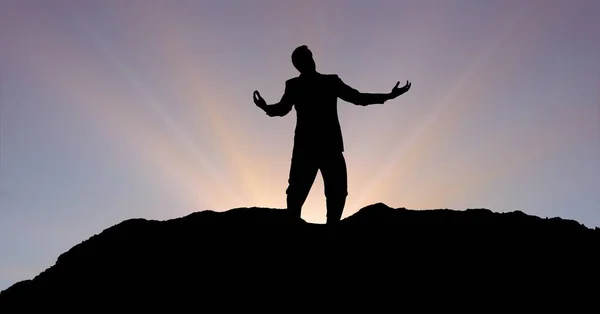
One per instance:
(332, 79)
(328, 75)
(291, 81)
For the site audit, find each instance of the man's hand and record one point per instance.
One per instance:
(258, 100)
(397, 91)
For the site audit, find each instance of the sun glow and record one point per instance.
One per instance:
(188, 131)
(187, 163)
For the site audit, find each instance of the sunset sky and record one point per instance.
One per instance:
(119, 109)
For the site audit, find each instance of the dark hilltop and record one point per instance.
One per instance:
(260, 258)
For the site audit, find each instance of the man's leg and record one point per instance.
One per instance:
(335, 179)
(303, 172)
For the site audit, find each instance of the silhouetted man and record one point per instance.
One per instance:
(318, 143)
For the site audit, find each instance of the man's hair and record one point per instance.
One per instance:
(300, 53)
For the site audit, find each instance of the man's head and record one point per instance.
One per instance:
(303, 60)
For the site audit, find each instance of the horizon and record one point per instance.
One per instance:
(143, 109)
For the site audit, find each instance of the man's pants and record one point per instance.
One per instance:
(303, 172)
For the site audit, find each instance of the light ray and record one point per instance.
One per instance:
(425, 135)
(151, 102)
(107, 110)
(221, 109)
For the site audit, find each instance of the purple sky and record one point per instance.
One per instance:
(118, 109)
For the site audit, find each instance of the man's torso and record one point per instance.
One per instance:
(315, 101)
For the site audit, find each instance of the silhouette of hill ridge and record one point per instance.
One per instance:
(216, 257)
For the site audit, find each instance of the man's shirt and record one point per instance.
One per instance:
(314, 98)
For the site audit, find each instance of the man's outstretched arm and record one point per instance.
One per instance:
(280, 109)
(353, 96)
